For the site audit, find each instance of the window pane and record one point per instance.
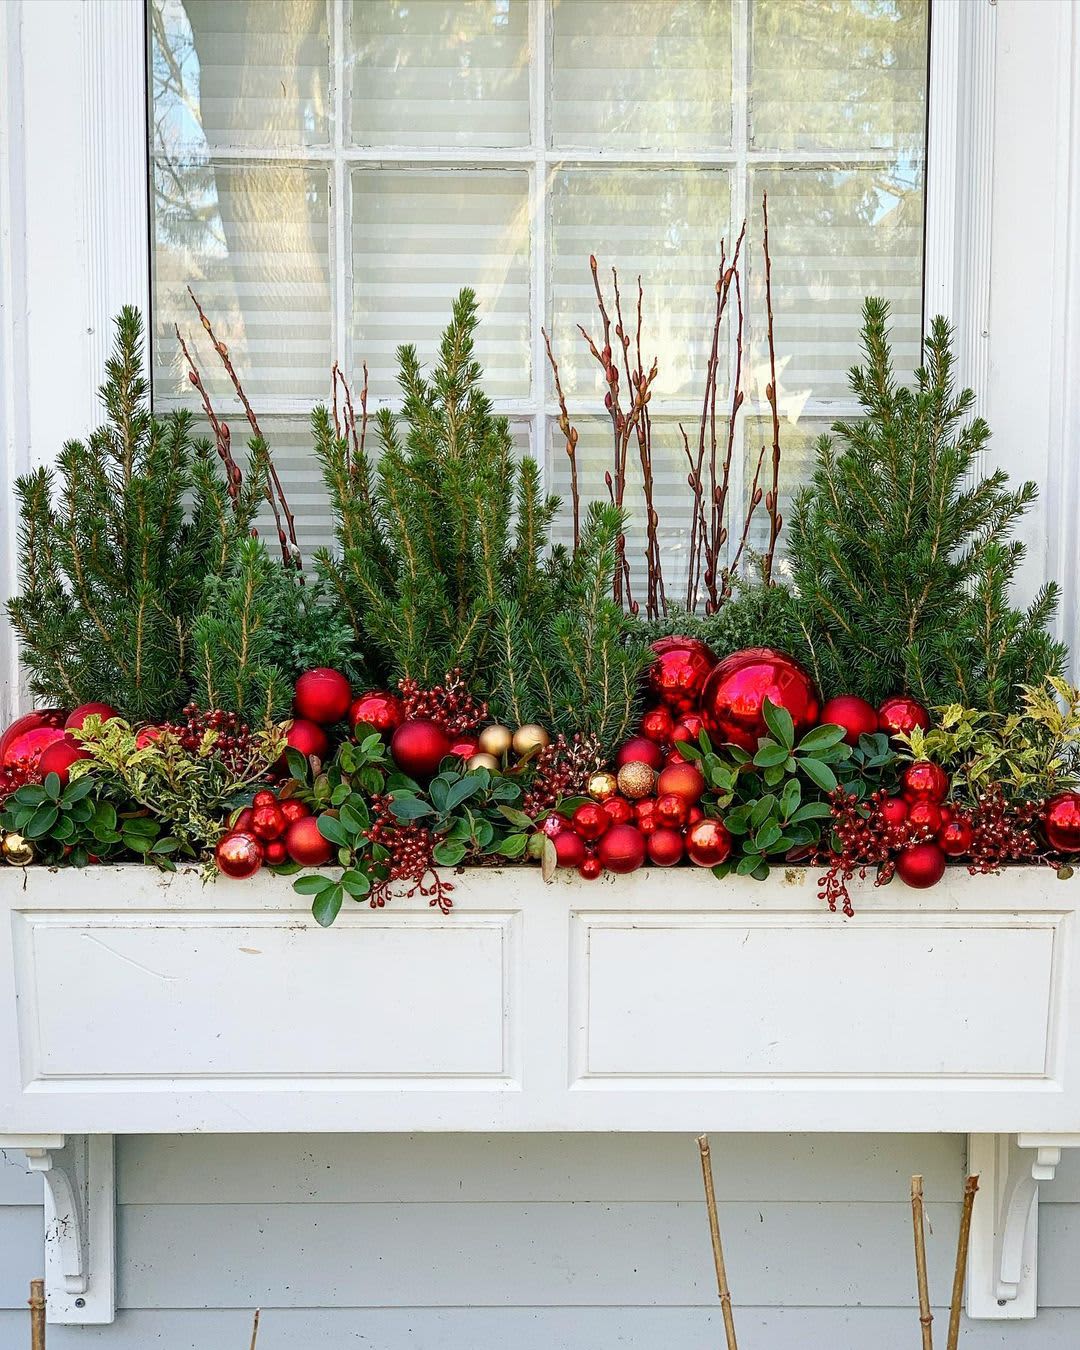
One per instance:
(252, 243)
(418, 237)
(665, 226)
(641, 74)
(798, 442)
(244, 73)
(843, 75)
(425, 72)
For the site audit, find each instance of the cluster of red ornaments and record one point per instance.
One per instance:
(40, 743)
(271, 830)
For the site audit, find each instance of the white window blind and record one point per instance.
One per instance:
(327, 174)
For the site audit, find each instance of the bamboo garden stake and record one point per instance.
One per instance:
(255, 1328)
(717, 1245)
(37, 1315)
(970, 1187)
(926, 1317)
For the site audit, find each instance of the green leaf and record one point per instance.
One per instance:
(790, 798)
(340, 794)
(513, 846)
(439, 792)
(406, 806)
(462, 790)
(747, 866)
(779, 722)
(819, 774)
(690, 751)
(297, 764)
(448, 853)
(822, 737)
(812, 811)
(768, 836)
(774, 776)
(52, 786)
(165, 846)
(353, 817)
(516, 817)
(327, 905)
(33, 794)
(770, 754)
(738, 820)
(43, 819)
(356, 883)
(76, 791)
(762, 810)
(332, 829)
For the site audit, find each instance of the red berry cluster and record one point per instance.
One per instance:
(16, 775)
(1004, 832)
(220, 734)
(410, 858)
(449, 705)
(560, 770)
(867, 835)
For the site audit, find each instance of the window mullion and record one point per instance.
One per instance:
(740, 203)
(538, 217)
(342, 210)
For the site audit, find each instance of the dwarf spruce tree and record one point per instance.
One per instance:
(901, 557)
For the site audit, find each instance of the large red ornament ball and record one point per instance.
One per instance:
(418, 747)
(925, 815)
(618, 810)
(680, 670)
(59, 757)
(658, 725)
(239, 855)
(900, 715)
(622, 849)
(322, 695)
(921, 865)
(708, 842)
(77, 718)
(590, 821)
(684, 779)
(894, 811)
(268, 821)
(672, 810)
(734, 697)
(640, 750)
(28, 735)
(378, 710)
(855, 715)
(1061, 821)
(664, 847)
(956, 837)
(569, 849)
(307, 737)
(925, 781)
(306, 844)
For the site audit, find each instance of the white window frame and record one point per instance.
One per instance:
(1003, 217)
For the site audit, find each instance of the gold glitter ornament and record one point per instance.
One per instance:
(636, 779)
(495, 740)
(482, 761)
(602, 785)
(530, 737)
(16, 850)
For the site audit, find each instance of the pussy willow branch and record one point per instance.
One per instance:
(570, 437)
(697, 487)
(753, 502)
(772, 497)
(356, 438)
(719, 529)
(222, 438)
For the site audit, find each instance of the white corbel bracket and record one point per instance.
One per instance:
(1002, 1278)
(80, 1223)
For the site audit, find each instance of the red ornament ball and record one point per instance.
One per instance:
(694, 815)
(241, 821)
(268, 821)
(640, 750)
(658, 725)
(900, 715)
(293, 809)
(622, 849)
(146, 736)
(956, 837)
(590, 821)
(569, 849)
(59, 757)
(855, 715)
(734, 698)
(264, 797)
(619, 810)
(239, 855)
(378, 710)
(275, 852)
(921, 865)
(590, 867)
(894, 811)
(645, 817)
(708, 842)
(30, 734)
(554, 824)
(925, 815)
(672, 810)
(308, 737)
(306, 844)
(103, 710)
(464, 748)
(1061, 821)
(418, 747)
(925, 781)
(684, 779)
(322, 695)
(664, 847)
(680, 670)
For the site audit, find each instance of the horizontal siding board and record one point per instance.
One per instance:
(18, 1186)
(22, 1239)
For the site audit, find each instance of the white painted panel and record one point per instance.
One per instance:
(723, 996)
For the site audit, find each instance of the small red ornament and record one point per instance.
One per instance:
(268, 821)
(622, 849)
(900, 715)
(689, 728)
(925, 781)
(640, 750)
(645, 817)
(569, 849)
(265, 798)
(322, 695)
(555, 824)
(1061, 821)
(590, 867)
(680, 670)
(924, 815)
(418, 747)
(103, 710)
(684, 779)
(708, 842)
(921, 865)
(30, 734)
(241, 822)
(694, 815)
(308, 737)
(734, 697)
(956, 837)
(146, 736)
(855, 715)
(464, 748)
(672, 810)
(378, 710)
(664, 847)
(894, 811)
(658, 725)
(275, 852)
(619, 810)
(239, 855)
(293, 809)
(590, 820)
(59, 757)
(306, 844)
(947, 813)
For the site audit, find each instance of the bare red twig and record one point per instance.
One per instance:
(772, 497)
(570, 437)
(220, 428)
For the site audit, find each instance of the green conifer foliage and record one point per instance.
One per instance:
(901, 556)
(115, 547)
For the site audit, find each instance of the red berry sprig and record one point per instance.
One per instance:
(410, 858)
(561, 770)
(449, 705)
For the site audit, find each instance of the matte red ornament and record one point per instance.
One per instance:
(645, 815)
(855, 715)
(678, 675)
(275, 852)
(956, 837)
(306, 844)
(380, 711)
(619, 810)
(590, 867)
(308, 737)
(658, 725)
(268, 821)
(22, 739)
(708, 842)
(59, 757)
(241, 822)
(238, 855)
(569, 849)
(76, 719)
(640, 750)
(322, 695)
(664, 847)
(735, 694)
(622, 849)
(894, 811)
(1061, 821)
(672, 810)
(900, 715)
(685, 779)
(924, 815)
(590, 821)
(925, 781)
(418, 747)
(292, 808)
(921, 865)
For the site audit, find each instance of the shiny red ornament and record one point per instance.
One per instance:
(569, 849)
(921, 865)
(708, 842)
(590, 821)
(306, 844)
(672, 811)
(658, 725)
(293, 809)
(645, 815)
(322, 695)
(924, 815)
(380, 711)
(678, 674)
(900, 715)
(264, 797)
(689, 727)
(684, 779)
(59, 757)
(146, 736)
(622, 849)
(239, 855)
(268, 821)
(308, 737)
(1061, 821)
(734, 697)
(76, 719)
(418, 747)
(894, 811)
(275, 852)
(555, 824)
(28, 735)
(619, 810)
(241, 821)
(640, 750)
(664, 847)
(947, 813)
(694, 815)
(855, 715)
(925, 781)
(956, 837)
(590, 867)
(464, 747)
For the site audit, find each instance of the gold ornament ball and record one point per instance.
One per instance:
(636, 779)
(16, 850)
(602, 785)
(482, 761)
(495, 740)
(530, 737)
